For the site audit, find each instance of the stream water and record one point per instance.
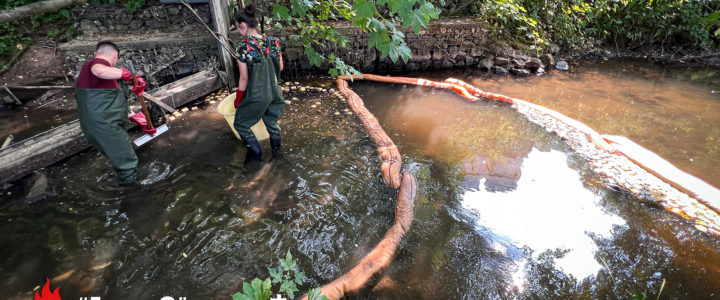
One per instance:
(503, 209)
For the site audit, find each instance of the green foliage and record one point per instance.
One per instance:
(510, 18)
(287, 275)
(627, 23)
(17, 36)
(314, 294)
(257, 290)
(321, 41)
(639, 296)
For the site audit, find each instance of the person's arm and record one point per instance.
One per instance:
(242, 83)
(106, 72)
(112, 73)
(281, 61)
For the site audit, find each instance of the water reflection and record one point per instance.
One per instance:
(550, 209)
(532, 221)
(658, 107)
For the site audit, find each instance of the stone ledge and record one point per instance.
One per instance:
(87, 44)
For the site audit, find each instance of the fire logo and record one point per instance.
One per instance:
(46, 294)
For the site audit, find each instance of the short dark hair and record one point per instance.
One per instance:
(105, 44)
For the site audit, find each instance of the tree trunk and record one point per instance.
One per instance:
(34, 9)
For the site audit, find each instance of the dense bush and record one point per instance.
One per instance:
(18, 35)
(620, 23)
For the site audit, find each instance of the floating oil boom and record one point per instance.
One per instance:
(620, 163)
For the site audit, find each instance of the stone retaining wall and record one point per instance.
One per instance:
(182, 46)
(116, 19)
(447, 43)
(160, 60)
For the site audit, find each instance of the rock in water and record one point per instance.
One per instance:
(534, 64)
(520, 72)
(562, 65)
(547, 59)
(502, 62)
(518, 63)
(499, 70)
(39, 189)
(485, 64)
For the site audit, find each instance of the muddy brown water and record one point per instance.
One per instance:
(503, 210)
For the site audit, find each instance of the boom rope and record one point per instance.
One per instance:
(619, 162)
(381, 256)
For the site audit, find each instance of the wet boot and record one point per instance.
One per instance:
(127, 177)
(254, 151)
(276, 148)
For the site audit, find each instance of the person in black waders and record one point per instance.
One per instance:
(258, 94)
(103, 108)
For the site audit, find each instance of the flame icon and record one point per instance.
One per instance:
(46, 294)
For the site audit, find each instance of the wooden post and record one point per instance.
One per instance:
(220, 17)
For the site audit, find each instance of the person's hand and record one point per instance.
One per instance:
(139, 118)
(140, 87)
(239, 95)
(126, 74)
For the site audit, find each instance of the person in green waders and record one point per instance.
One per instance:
(258, 94)
(103, 108)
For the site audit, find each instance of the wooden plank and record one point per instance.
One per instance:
(159, 103)
(49, 147)
(44, 149)
(220, 19)
(180, 92)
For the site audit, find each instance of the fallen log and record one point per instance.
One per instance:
(22, 158)
(32, 9)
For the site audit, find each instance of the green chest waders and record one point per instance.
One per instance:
(103, 114)
(263, 99)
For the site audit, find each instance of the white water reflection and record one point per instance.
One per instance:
(550, 209)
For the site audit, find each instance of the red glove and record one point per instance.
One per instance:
(126, 75)
(140, 87)
(239, 95)
(139, 118)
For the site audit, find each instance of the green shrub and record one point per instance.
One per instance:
(17, 36)
(622, 23)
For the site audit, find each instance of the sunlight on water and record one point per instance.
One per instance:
(547, 211)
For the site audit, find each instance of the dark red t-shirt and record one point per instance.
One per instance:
(88, 80)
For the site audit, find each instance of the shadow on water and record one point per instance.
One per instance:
(503, 210)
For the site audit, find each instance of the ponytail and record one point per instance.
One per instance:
(247, 16)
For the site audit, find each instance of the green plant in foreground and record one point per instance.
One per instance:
(287, 275)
